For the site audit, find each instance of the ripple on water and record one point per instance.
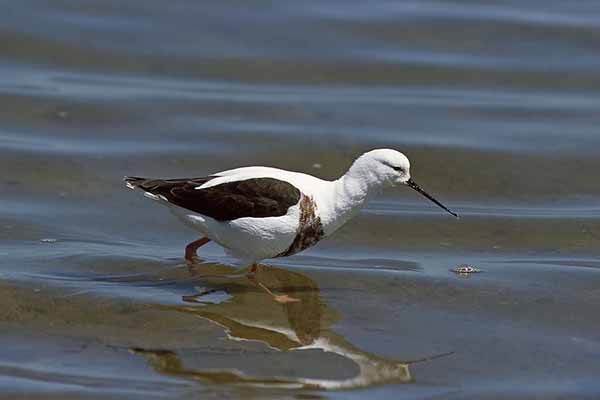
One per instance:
(496, 105)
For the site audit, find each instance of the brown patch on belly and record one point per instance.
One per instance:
(310, 229)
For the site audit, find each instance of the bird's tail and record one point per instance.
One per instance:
(133, 182)
(150, 187)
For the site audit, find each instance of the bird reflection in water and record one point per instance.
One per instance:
(254, 314)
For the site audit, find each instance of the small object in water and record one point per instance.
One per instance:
(465, 269)
(49, 240)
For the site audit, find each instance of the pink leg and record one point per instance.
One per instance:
(190, 249)
(253, 269)
(280, 298)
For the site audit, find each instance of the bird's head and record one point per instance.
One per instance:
(386, 167)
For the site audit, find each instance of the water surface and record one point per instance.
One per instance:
(497, 107)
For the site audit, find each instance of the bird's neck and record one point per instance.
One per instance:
(350, 193)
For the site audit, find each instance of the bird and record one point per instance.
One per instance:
(257, 213)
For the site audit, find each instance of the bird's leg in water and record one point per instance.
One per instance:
(190, 250)
(252, 271)
(280, 298)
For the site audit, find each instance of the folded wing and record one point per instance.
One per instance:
(256, 197)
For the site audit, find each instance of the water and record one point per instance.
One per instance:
(497, 107)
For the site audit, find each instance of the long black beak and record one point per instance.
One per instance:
(413, 185)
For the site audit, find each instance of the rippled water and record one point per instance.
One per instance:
(497, 105)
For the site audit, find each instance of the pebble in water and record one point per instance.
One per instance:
(49, 240)
(465, 269)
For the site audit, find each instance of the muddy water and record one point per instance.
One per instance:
(496, 105)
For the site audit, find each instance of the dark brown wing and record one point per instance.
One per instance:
(257, 197)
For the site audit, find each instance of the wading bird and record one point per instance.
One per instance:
(257, 213)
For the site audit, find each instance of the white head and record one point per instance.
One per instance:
(385, 167)
(381, 167)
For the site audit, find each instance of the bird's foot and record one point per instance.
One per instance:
(192, 265)
(284, 298)
(280, 298)
(191, 259)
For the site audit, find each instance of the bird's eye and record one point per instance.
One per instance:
(399, 169)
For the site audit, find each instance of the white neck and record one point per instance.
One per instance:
(350, 193)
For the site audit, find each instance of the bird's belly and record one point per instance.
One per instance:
(250, 239)
(255, 239)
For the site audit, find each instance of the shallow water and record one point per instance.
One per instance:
(498, 107)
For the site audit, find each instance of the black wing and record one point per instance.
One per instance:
(257, 197)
